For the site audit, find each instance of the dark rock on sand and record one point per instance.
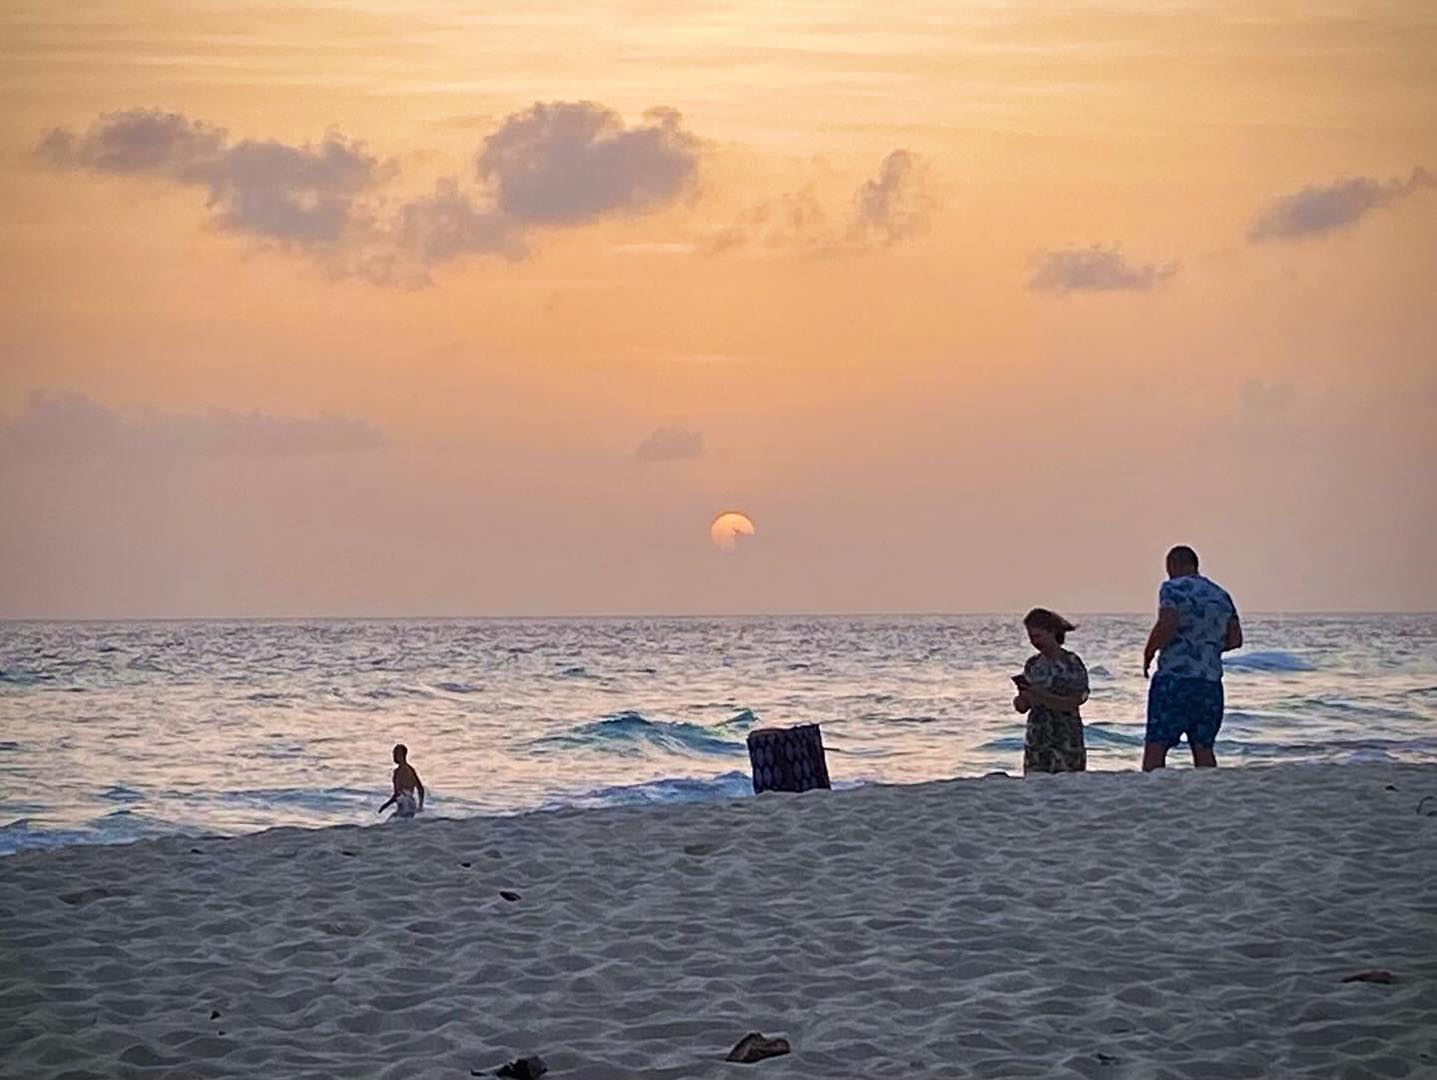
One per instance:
(755, 1047)
(526, 1068)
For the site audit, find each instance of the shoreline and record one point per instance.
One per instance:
(1110, 924)
(592, 801)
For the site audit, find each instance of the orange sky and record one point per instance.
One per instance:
(382, 308)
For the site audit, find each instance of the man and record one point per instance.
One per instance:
(1197, 623)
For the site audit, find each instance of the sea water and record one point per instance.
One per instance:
(112, 731)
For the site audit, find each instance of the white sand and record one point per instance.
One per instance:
(1108, 925)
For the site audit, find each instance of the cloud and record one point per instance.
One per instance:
(891, 208)
(1096, 269)
(305, 196)
(670, 444)
(894, 206)
(68, 426)
(1316, 210)
(793, 222)
(553, 165)
(449, 223)
(566, 163)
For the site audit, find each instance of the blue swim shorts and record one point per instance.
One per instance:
(1178, 707)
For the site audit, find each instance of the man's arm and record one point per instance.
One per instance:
(1162, 632)
(1234, 635)
(420, 785)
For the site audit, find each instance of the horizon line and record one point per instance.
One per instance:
(697, 615)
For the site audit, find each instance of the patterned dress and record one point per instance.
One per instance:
(1054, 740)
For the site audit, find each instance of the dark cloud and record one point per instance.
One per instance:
(553, 165)
(68, 426)
(139, 142)
(304, 195)
(1096, 269)
(670, 444)
(1316, 210)
(564, 163)
(449, 224)
(894, 206)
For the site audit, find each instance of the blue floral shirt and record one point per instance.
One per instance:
(1204, 609)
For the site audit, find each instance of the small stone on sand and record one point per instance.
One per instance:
(527, 1068)
(1372, 977)
(756, 1046)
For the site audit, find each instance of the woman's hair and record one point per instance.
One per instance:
(1050, 621)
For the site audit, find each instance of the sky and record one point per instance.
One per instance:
(424, 308)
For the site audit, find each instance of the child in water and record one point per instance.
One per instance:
(406, 783)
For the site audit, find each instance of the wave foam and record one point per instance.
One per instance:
(671, 789)
(1273, 660)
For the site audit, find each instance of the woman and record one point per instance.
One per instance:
(1053, 685)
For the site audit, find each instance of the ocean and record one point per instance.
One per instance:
(114, 731)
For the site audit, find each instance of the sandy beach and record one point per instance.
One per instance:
(1182, 924)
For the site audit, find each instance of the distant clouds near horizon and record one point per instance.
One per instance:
(57, 427)
(415, 308)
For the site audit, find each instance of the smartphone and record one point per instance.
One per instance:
(1019, 680)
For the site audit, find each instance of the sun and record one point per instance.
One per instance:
(728, 527)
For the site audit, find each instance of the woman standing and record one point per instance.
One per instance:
(1053, 685)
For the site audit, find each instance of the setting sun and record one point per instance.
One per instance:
(728, 527)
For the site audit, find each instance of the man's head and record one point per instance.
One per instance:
(1182, 561)
(400, 753)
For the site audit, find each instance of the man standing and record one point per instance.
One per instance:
(1197, 623)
